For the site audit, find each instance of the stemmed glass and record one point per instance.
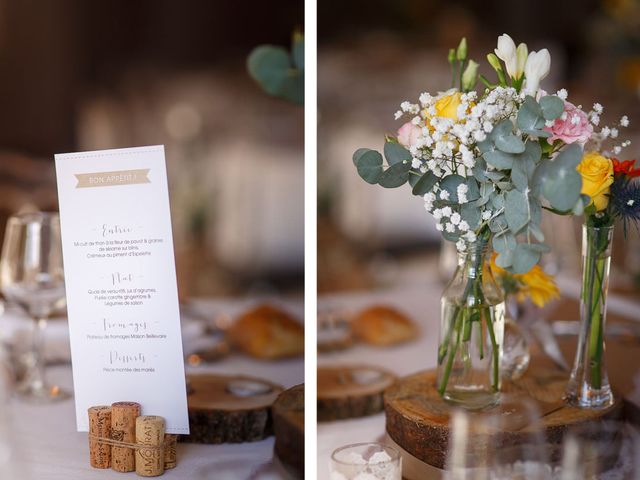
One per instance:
(505, 442)
(32, 276)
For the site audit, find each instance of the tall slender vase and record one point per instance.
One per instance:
(589, 385)
(471, 332)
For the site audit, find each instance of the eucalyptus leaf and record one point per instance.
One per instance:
(498, 224)
(535, 230)
(494, 176)
(395, 153)
(450, 184)
(500, 160)
(268, 65)
(452, 237)
(479, 169)
(471, 215)
(532, 153)
(563, 190)
(504, 242)
(535, 210)
(581, 204)
(504, 139)
(510, 144)
(570, 157)
(414, 176)
(369, 166)
(552, 107)
(530, 117)
(497, 201)
(486, 145)
(297, 51)
(272, 67)
(505, 260)
(516, 210)
(395, 176)
(358, 153)
(524, 258)
(473, 190)
(519, 176)
(424, 184)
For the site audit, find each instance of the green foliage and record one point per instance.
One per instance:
(424, 184)
(517, 174)
(530, 118)
(558, 180)
(395, 153)
(395, 176)
(278, 72)
(369, 166)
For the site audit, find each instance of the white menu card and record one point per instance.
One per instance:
(122, 296)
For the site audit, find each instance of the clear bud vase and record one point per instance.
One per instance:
(589, 386)
(471, 331)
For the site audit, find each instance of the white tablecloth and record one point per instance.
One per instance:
(49, 448)
(421, 301)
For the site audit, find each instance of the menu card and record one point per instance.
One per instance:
(122, 297)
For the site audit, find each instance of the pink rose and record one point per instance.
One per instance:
(571, 127)
(408, 134)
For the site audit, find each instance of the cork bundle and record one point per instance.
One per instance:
(122, 439)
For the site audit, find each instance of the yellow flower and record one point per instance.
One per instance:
(597, 177)
(537, 285)
(447, 106)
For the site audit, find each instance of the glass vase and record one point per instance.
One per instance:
(588, 385)
(471, 331)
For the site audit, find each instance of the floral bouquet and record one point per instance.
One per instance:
(615, 195)
(486, 162)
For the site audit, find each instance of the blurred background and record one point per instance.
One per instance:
(77, 75)
(376, 54)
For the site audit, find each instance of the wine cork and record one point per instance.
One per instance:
(150, 431)
(123, 429)
(99, 426)
(170, 445)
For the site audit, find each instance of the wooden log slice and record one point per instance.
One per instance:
(288, 428)
(417, 418)
(351, 391)
(229, 409)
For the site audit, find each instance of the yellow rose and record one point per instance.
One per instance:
(447, 106)
(597, 177)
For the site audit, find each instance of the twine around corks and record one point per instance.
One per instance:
(140, 444)
(133, 446)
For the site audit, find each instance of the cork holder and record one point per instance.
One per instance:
(121, 439)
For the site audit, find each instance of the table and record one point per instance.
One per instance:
(47, 446)
(421, 300)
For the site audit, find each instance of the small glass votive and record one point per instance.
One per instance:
(366, 461)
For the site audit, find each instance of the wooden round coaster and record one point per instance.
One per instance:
(288, 429)
(417, 418)
(229, 409)
(351, 391)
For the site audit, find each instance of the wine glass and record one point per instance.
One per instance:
(32, 276)
(600, 449)
(505, 442)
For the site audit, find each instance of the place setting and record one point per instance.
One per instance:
(97, 282)
(489, 389)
